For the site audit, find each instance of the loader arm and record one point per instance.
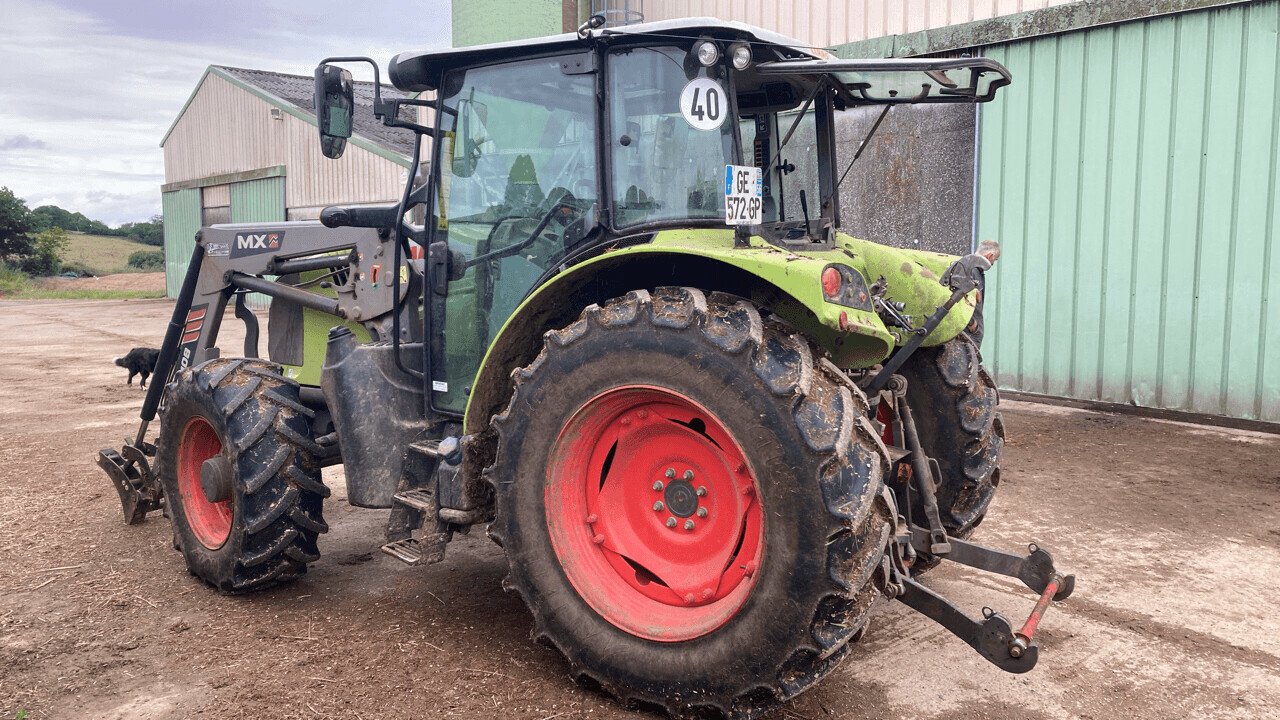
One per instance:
(322, 277)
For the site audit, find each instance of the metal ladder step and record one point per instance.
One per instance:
(418, 551)
(418, 499)
(408, 551)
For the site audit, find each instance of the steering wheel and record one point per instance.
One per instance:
(559, 203)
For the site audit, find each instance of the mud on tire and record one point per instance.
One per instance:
(265, 434)
(954, 401)
(817, 464)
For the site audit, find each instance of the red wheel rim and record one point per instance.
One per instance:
(210, 522)
(884, 414)
(626, 465)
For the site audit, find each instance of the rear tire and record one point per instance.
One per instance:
(954, 402)
(249, 415)
(746, 389)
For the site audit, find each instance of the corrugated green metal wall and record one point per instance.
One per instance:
(1130, 173)
(478, 22)
(258, 201)
(181, 210)
(251, 201)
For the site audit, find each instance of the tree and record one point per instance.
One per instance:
(150, 232)
(15, 227)
(45, 257)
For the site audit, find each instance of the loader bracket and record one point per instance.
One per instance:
(130, 472)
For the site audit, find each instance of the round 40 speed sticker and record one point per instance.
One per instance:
(703, 104)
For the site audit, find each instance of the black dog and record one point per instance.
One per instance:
(140, 360)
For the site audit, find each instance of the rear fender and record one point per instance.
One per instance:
(787, 283)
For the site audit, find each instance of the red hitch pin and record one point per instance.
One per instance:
(1022, 638)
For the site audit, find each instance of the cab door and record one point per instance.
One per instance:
(517, 189)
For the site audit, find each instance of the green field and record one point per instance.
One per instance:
(102, 254)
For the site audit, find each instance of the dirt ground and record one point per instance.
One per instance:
(119, 281)
(1171, 528)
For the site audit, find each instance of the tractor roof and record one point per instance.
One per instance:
(418, 71)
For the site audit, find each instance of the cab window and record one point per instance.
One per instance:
(669, 147)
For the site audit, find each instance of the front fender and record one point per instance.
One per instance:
(913, 278)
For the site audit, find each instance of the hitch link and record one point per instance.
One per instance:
(1022, 638)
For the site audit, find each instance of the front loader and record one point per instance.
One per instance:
(614, 319)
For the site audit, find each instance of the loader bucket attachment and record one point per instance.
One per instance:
(131, 475)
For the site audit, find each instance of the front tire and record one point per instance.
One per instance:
(244, 420)
(954, 402)
(637, 397)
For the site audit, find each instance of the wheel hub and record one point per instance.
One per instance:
(681, 499)
(669, 529)
(216, 478)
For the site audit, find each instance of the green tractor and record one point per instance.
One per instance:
(614, 319)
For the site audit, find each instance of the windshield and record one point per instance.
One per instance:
(670, 137)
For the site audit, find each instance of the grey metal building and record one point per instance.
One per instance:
(244, 149)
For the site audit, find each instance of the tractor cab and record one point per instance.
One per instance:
(552, 151)
(631, 129)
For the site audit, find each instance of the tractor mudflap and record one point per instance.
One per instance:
(130, 472)
(994, 637)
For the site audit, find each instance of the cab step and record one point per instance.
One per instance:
(418, 499)
(416, 551)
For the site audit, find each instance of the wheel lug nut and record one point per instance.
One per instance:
(702, 512)
(671, 522)
(599, 539)
(690, 599)
(702, 490)
(657, 485)
(706, 594)
(671, 472)
(626, 421)
(643, 414)
(688, 474)
(688, 525)
(591, 519)
(657, 507)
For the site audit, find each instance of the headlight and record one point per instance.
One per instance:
(740, 54)
(708, 53)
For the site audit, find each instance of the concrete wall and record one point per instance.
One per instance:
(913, 185)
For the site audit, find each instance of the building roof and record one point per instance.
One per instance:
(293, 94)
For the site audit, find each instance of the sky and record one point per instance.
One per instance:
(90, 87)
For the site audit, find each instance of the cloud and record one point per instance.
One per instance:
(102, 81)
(22, 142)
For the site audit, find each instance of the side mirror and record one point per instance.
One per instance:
(334, 103)
(470, 138)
